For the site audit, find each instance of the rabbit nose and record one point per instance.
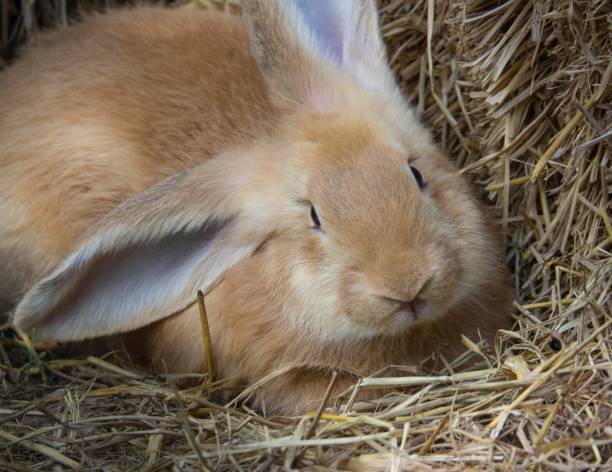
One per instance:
(413, 293)
(406, 306)
(414, 306)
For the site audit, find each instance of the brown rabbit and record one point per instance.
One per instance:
(149, 153)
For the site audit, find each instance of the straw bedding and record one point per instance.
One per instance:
(518, 93)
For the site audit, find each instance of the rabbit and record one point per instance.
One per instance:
(270, 161)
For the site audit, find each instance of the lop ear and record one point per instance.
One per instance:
(303, 47)
(148, 257)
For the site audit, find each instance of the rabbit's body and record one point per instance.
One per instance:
(149, 153)
(98, 112)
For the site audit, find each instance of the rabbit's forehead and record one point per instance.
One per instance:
(373, 183)
(355, 165)
(334, 142)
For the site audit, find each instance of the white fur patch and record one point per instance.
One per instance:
(315, 307)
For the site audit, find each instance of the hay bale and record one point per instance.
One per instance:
(518, 94)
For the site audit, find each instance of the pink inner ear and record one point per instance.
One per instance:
(325, 20)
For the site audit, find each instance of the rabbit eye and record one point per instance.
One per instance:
(419, 178)
(314, 217)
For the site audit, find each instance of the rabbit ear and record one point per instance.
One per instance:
(149, 257)
(302, 45)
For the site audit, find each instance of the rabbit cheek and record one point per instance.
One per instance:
(445, 286)
(313, 304)
(367, 317)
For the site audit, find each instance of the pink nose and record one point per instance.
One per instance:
(406, 306)
(413, 306)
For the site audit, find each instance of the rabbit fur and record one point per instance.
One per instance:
(269, 161)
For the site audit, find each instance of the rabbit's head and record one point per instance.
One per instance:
(362, 226)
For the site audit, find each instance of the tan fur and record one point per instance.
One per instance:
(94, 115)
(98, 112)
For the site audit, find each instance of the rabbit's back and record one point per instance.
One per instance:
(97, 112)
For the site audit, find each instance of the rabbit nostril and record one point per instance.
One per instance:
(414, 306)
(418, 307)
(406, 306)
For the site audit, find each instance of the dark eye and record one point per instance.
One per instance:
(314, 217)
(418, 177)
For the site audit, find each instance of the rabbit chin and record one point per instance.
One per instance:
(401, 321)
